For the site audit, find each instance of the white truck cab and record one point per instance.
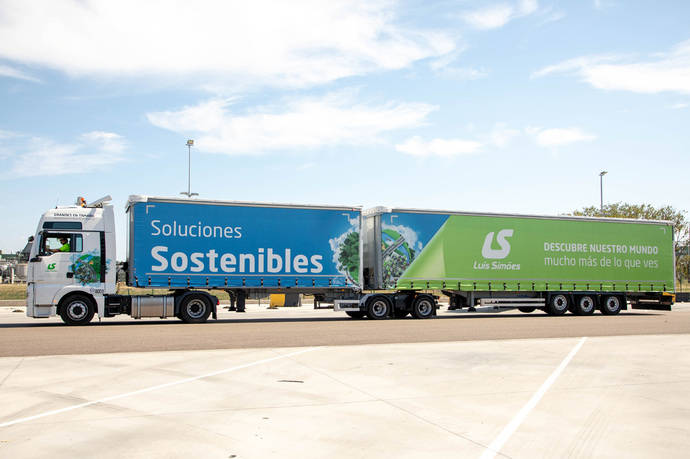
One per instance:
(72, 262)
(72, 272)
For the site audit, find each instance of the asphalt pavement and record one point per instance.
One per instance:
(260, 327)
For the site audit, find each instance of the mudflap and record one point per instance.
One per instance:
(651, 306)
(660, 302)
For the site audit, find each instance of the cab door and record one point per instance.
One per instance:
(52, 268)
(87, 264)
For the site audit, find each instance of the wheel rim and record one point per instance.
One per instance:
(424, 307)
(612, 303)
(196, 308)
(379, 308)
(560, 303)
(77, 310)
(586, 304)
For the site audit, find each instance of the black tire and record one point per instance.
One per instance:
(584, 305)
(611, 305)
(400, 313)
(77, 310)
(527, 310)
(378, 308)
(356, 314)
(423, 307)
(195, 308)
(558, 305)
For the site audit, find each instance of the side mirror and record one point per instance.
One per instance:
(31, 239)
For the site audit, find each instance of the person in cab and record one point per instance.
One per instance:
(65, 246)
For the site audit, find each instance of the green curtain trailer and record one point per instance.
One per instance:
(557, 264)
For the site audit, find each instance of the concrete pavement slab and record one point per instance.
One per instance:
(619, 396)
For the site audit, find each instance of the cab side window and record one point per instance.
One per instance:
(61, 242)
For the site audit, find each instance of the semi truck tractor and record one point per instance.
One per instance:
(380, 263)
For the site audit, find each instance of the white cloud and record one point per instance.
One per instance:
(105, 141)
(444, 67)
(669, 71)
(502, 135)
(416, 146)
(305, 166)
(556, 137)
(464, 73)
(303, 123)
(603, 4)
(6, 71)
(490, 18)
(498, 15)
(217, 42)
(7, 134)
(678, 106)
(92, 151)
(552, 16)
(527, 6)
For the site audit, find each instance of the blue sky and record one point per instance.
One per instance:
(498, 106)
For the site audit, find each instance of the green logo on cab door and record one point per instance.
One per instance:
(50, 267)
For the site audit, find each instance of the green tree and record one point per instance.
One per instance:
(349, 255)
(681, 228)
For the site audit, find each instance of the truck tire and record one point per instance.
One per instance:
(77, 310)
(558, 305)
(584, 305)
(194, 308)
(356, 314)
(611, 305)
(526, 310)
(423, 307)
(378, 308)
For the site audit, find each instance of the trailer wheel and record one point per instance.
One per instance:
(356, 314)
(584, 306)
(526, 310)
(77, 310)
(194, 308)
(423, 307)
(378, 308)
(611, 305)
(558, 305)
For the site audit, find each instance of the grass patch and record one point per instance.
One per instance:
(12, 291)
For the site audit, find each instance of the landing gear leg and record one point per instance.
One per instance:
(241, 297)
(233, 300)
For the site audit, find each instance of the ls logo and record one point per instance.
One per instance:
(497, 254)
(50, 267)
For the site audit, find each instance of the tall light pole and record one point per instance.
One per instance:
(188, 193)
(601, 189)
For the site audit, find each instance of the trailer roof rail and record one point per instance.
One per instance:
(383, 210)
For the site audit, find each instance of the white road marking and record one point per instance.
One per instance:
(496, 445)
(152, 388)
